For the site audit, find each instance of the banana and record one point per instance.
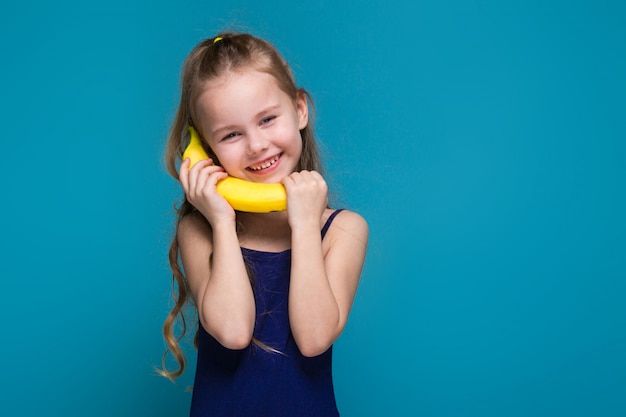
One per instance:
(251, 197)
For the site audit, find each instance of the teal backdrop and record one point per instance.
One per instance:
(484, 141)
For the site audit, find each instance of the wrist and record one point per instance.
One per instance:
(310, 227)
(223, 225)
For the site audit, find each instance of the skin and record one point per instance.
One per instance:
(249, 122)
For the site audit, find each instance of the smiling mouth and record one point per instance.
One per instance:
(265, 164)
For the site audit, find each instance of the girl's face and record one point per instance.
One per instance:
(252, 125)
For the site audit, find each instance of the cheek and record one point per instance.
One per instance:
(299, 144)
(226, 158)
(297, 148)
(292, 139)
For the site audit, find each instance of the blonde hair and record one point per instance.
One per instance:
(210, 59)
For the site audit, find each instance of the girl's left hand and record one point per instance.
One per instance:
(307, 197)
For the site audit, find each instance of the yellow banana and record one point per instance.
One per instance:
(242, 195)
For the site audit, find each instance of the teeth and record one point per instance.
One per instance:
(265, 164)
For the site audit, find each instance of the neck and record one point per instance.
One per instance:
(264, 231)
(262, 219)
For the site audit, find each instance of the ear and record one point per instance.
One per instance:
(302, 109)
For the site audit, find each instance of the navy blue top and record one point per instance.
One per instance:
(254, 381)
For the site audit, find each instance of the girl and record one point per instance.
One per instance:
(272, 291)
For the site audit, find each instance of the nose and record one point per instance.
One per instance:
(257, 143)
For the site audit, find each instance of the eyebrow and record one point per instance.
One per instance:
(256, 116)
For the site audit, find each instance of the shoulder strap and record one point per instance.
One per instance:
(329, 221)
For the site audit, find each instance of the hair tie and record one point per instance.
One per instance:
(217, 39)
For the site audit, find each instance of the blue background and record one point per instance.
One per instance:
(484, 141)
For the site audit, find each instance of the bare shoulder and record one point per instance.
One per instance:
(193, 231)
(349, 225)
(345, 248)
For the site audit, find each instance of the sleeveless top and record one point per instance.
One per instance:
(255, 381)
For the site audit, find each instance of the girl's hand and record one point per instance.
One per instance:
(307, 198)
(199, 186)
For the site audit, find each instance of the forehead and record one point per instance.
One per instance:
(237, 90)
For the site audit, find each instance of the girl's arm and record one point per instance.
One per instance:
(213, 263)
(324, 275)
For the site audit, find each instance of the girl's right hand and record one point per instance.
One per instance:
(199, 185)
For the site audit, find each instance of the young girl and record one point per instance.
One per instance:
(272, 291)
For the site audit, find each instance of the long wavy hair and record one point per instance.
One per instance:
(210, 59)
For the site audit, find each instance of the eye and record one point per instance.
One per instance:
(267, 119)
(230, 135)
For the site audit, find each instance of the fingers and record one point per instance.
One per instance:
(312, 179)
(199, 173)
(204, 182)
(195, 180)
(187, 176)
(307, 197)
(183, 174)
